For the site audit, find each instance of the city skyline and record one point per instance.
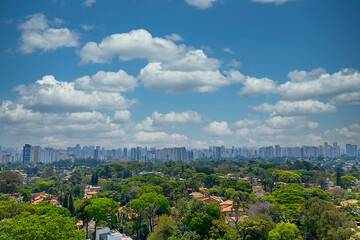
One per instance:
(180, 73)
(37, 154)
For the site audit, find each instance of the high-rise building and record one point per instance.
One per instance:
(78, 150)
(37, 154)
(277, 151)
(180, 153)
(125, 152)
(351, 150)
(96, 154)
(26, 154)
(269, 151)
(133, 154)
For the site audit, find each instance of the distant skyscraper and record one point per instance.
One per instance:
(277, 151)
(96, 154)
(133, 153)
(125, 152)
(351, 150)
(26, 154)
(37, 154)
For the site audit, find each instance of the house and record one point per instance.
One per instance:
(227, 209)
(208, 199)
(90, 194)
(107, 234)
(196, 195)
(43, 196)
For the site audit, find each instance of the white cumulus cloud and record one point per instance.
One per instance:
(295, 108)
(36, 34)
(247, 123)
(107, 81)
(257, 86)
(154, 77)
(216, 128)
(345, 135)
(201, 4)
(121, 116)
(319, 84)
(173, 119)
(228, 50)
(174, 37)
(135, 44)
(286, 122)
(50, 95)
(87, 27)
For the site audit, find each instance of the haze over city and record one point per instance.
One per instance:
(189, 73)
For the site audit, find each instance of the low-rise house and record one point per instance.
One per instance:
(107, 234)
(208, 199)
(42, 197)
(196, 195)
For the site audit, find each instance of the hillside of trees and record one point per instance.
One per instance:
(226, 199)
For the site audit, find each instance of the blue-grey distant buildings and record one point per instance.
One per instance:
(27, 154)
(351, 150)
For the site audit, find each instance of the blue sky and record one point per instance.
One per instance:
(188, 73)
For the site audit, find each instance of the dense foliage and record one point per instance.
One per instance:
(242, 200)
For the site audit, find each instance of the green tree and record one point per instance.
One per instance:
(285, 231)
(220, 230)
(82, 214)
(256, 227)
(5, 197)
(286, 176)
(102, 210)
(111, 186)
(10, 182)
(148, 205)
(10, 209)
(164, 229)
(316, 192)
(323, 220)
(290, 198)
(243, 186)
(26, 194)
(339, 173)
(199, 216)
(71, 206)
(51, 226)
(43, 186)
(65, 201)
(95, 178)
(347, 181)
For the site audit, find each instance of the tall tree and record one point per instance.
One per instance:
(290, 198)
(325, 221)
(164, 229)
(339, 173)
(256, 227)
(102, 210)
(71, 205)
(10, 182)
(26, 194)
(285, 231)
(65, 201)
(50, 226)
(148, 205)
(82, 214)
